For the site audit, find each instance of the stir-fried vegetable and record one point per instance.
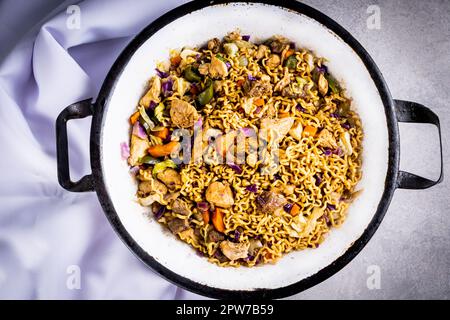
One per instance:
(295, 210)
(332, 83)
(134, 117)
(217, 220)
(146, 122)
(207, 94)
(191, 74)
(291, 62)
(309, 131)
(163, 133)
(163, 165)
(148, 160)
(159, 151)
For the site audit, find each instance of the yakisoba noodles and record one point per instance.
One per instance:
(246, 151)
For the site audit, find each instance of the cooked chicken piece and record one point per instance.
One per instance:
(153, 186)
(171, 196)
(296, 131)
(178, 225)
(171, 178)
(275, 129)
(288, 189)
(252, 159)
(214, 45)
(322, 84)
(217, 68)
(247, 104)
(233, 36)
(138, 149)
(218, 85)
(284, 81)
(262, 50)
(183, 114)
(219, 194)
(327, 140)
(345, 143)
(278, 44)
(269, 201)
(203, 69)
(214, 236)
(234, 251)
(152, 94)
(283, 53)
(149, 200)
(273, 61)
(254, 246)
(259, 88)
(181, 207)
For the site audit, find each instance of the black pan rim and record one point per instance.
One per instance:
(258, 293)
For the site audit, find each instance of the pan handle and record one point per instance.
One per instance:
(413, 112)
(77, 110)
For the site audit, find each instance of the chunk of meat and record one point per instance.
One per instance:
(203, 69)
(234, 251)
(322, 84)
(178, 225)
(274, 130)
(296, 131)
(284, 81)
(345, 143)
(278, 44)
(217, 68)
(152, 186)
(171, 178)
(327, 140)
(269, 201)
(183, 114)
(181, 207)
(153, 93)
(254, 246)
(219, 194)
(214, 45)
(273, 61)
(214, 236)
(138, 149)
(262, 50)
(259, 88)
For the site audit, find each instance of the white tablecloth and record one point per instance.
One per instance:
(56, 244)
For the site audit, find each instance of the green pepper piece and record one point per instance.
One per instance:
(190, 74)
(163, 165)
(344, 108)
(332, 83)
(207, 94)
(291, 62)
(148, 160)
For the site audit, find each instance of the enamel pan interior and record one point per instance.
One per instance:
(193, 24)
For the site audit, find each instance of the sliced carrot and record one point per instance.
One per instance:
(240, 82)
(162, 150)
(163, 134)
(175, 60)
(134, 117)
(205, 215)
(309, 131)
(217, 220)
(283, 115)
(289, 53)
(259, 102)
(295, 210)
